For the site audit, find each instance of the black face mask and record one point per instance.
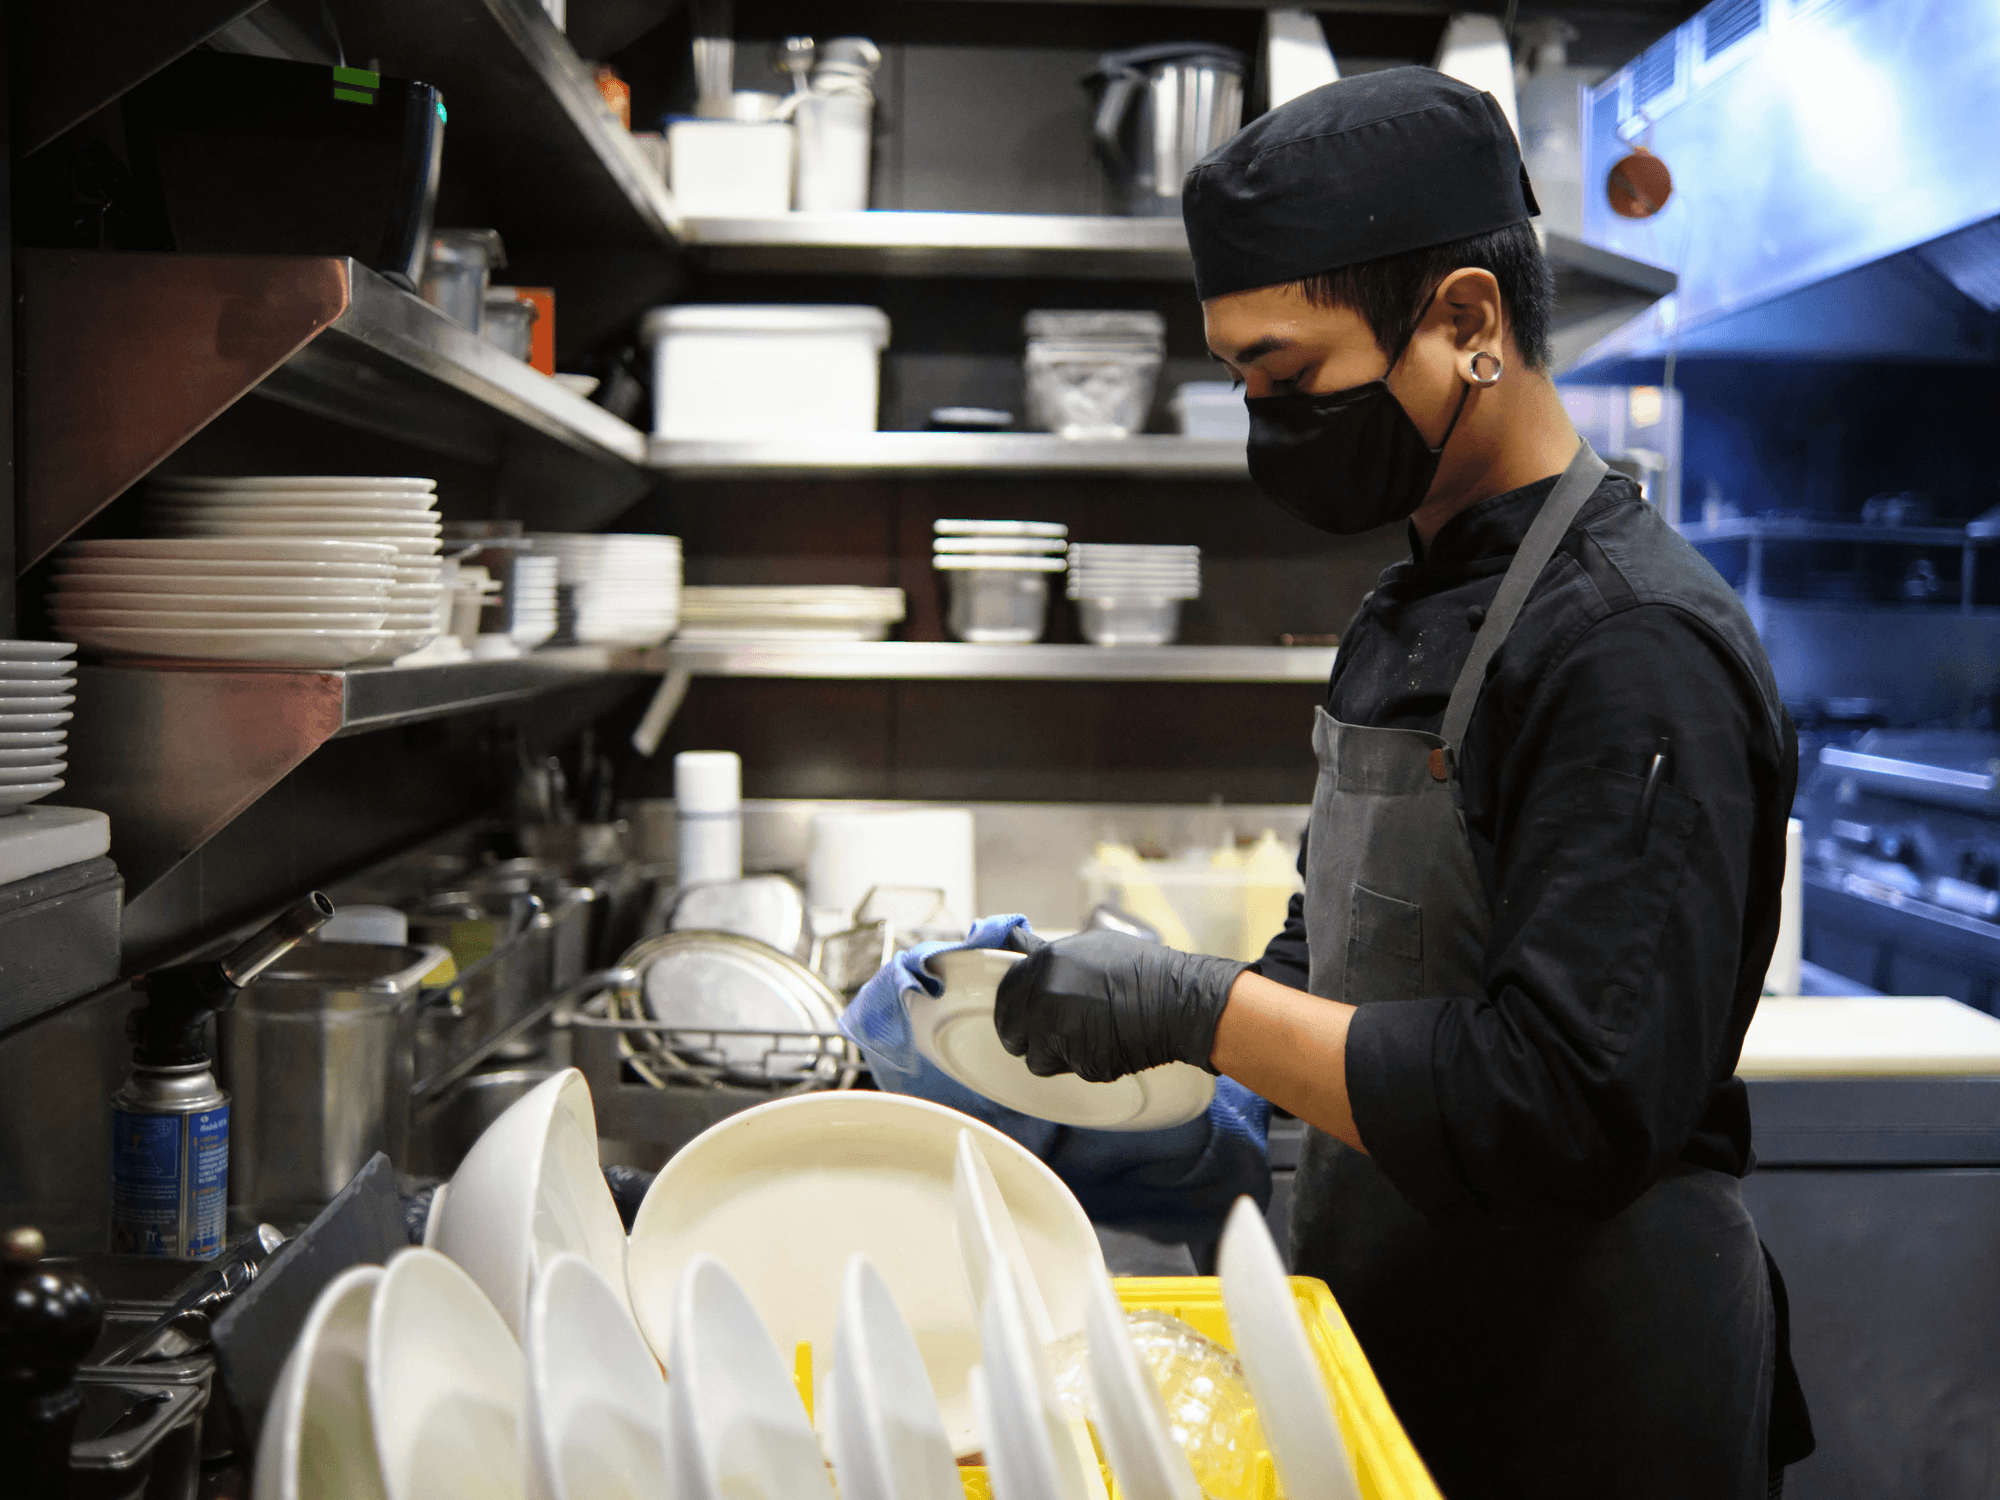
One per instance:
(1347, 461)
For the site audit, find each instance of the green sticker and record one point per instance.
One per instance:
(358, 76)
(353, 96)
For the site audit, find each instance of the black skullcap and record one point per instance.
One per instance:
(1369, 166)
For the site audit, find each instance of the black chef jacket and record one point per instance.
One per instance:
(1553, 1092)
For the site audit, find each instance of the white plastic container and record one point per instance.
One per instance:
(852, 852)
(834, 144)
(742, 372)
(731, 169)
(1211, 409)
(708, 808)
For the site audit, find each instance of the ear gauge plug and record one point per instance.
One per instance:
(1486, 380)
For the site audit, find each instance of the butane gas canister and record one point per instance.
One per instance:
(170, 1163)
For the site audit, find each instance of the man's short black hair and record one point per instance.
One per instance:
(1391, 294)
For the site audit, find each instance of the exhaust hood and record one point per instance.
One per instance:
(1836, 192)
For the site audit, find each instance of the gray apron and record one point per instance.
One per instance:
(1628, 1357)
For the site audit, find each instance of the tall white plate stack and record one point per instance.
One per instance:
(399, 511)
(625, 588)
(777, 612)
(300, 601)
(532, 613)
(1130, 595)
(37, 687)
(998, 573)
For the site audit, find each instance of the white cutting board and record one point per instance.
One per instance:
(1877, 1037)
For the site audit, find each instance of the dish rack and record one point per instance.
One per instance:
(615, 1043)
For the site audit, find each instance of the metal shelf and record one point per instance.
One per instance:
(953, 660)
(1781, 529)
(175, 750)
(531, 148)
(855, 455)
(129, 355)
(883, 243)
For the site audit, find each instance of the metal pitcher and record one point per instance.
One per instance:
(1161, 109)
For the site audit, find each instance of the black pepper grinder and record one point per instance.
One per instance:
(48, 1322)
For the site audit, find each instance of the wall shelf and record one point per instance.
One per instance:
(129, 355)
(882, 243)
(953, 660)
(842, 456)
(173, 751)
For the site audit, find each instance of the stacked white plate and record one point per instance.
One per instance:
(532, 587)
(297, 600)
(1130, 595)
(835, 612)
(37, 687)
(625, 589)
(397, 511)
(1001, 546)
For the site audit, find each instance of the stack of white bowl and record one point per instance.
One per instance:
(999, 573)
(37, 686)
(298, 600)
(1132, 595)
(625, 589)
(532, 589)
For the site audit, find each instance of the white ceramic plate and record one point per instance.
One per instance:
(227, 502)
(596, 1403)
(951, 527)
(41, 651)
(787, 1193)
(885, 1433)
(45, 770)
(33, 741)
(289, 482)
(195, 575)
(81, 615)
(395, 531)
(236, 549)
(21, 796)
(955, 1033)
(12, 710)
(445, 1385)
(35, 671)
(1131, 1417)
(33, 755)
(734, 1422)
(360, 602)
(245, 515)
(37, 687)
(13, 723)
(318, 1441)
(1026, 1440)
(1292, 1399)
(309, 648)
(529, 1188)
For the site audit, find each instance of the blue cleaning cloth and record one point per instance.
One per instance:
(1175, 1184)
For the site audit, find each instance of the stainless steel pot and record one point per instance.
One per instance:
(1161, 109)
(318, 1053)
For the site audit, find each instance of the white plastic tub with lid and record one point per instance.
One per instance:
(727, 371)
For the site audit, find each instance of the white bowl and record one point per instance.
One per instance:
(318, 1440)
(35, 651)
(445, 1385)
(787, 1193)
(202, 619)
(287, 482)
(529, 1188)
(596, 1403)
(735, 1424)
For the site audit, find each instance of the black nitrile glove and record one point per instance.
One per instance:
(1102, 1004)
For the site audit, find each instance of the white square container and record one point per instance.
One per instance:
(763, 371)
(1211, 409)
(731, 169)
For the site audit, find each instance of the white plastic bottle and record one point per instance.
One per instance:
(708, 804)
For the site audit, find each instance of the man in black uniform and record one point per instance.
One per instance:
(1546, 847)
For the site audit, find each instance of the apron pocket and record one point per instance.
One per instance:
(1385, 949)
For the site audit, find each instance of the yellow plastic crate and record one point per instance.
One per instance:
(1384, 1461)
